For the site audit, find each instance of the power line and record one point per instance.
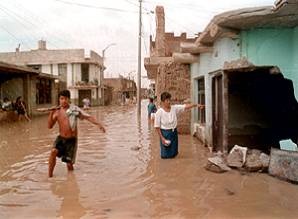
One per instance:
(96, 7)
(43, 23)
(31, 16)
(194, 7)
(21, 20)
(17, 19)
(135, 4)
(13, 36)
(175, 23)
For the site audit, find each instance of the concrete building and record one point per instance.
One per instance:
(167, 75)
(76, 71)
(123, 90)
(235, 58)
(37, 89)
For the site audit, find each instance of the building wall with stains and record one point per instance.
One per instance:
(266, 46)
(277, 47)
(225, 49)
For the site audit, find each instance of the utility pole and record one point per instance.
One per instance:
(139, 61)
(102, 72)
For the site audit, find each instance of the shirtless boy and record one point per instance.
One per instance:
(65, 145)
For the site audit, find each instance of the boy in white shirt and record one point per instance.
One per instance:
(166, 125)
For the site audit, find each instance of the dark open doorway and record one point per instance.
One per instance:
(262, 108)
(217, 112)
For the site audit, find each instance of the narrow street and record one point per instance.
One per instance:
(120, 175)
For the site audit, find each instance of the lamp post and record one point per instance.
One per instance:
(102, 71)
(139, 62)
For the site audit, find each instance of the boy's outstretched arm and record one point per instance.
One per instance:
(95, 122)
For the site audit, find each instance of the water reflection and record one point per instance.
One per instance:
(68, 190)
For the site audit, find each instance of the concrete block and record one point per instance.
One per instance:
(284, 164)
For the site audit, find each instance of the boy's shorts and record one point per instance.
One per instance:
(67, 148)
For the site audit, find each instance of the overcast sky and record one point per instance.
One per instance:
(94, 24)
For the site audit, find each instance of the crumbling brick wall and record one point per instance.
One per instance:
(175, 79)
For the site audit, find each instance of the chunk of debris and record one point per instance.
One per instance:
(237, 156)
(229, 191)
(213, 168)
(288, 144)
(284, 164)
(265, 159)
(239, 63)
(253, 162)
(220, 162)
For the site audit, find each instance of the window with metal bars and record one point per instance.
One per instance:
(201, 100)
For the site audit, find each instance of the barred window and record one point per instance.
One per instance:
(201, 100)
(43, 91)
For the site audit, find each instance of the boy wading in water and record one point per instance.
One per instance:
(65, 145)
(166, 125)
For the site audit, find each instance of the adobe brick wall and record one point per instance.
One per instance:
(175, 79)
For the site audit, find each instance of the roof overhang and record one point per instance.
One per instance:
(7, 68)
(283, 14)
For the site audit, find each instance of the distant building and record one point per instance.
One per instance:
(76, 71)
(123, 90)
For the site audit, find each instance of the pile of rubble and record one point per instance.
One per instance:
(239, 157)
(281, 163)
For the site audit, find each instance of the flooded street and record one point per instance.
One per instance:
(120, 175)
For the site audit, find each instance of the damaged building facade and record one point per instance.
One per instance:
(165, 73)
(244, 70)
(36, 89)
(75, 70)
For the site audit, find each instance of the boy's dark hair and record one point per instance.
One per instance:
(164, 96)
(150, 99)
(64, 93)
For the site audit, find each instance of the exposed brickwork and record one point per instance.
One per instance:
(169, 76)
(175, 79)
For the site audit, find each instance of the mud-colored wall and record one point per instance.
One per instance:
(175, 79)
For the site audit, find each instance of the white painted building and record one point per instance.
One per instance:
(78, 72)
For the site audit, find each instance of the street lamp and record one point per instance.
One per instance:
(102, 71)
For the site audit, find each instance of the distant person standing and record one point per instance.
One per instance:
(7, 104)
(86, 103)
(166, 125)
(20, 107)
(151, 109)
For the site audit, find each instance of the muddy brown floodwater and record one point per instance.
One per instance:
(120, 175)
